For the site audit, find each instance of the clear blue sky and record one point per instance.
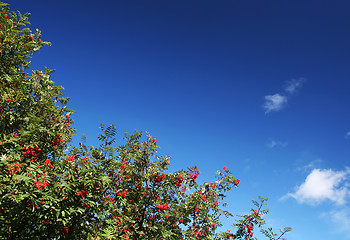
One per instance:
(262, 87)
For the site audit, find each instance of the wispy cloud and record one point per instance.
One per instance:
(340, 218)
(323, 185)
(347, 135)
(293, 85)
(314, 164)
(274, 102)
(272, 143)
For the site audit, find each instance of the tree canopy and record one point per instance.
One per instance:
(52, 190)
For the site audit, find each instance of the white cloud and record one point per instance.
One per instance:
(294, 84)
(274, 102)
(322, 185)
(277, 101)
(272, 143)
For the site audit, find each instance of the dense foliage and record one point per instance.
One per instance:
(50, 192)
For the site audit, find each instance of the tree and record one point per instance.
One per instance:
(103, 192)
(35, 127)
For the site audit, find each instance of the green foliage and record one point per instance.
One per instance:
(105, 192)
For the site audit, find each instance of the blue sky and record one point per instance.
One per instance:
(259, 86)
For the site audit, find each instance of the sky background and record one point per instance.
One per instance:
(261, 87)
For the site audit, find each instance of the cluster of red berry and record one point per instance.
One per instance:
(159, 178)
